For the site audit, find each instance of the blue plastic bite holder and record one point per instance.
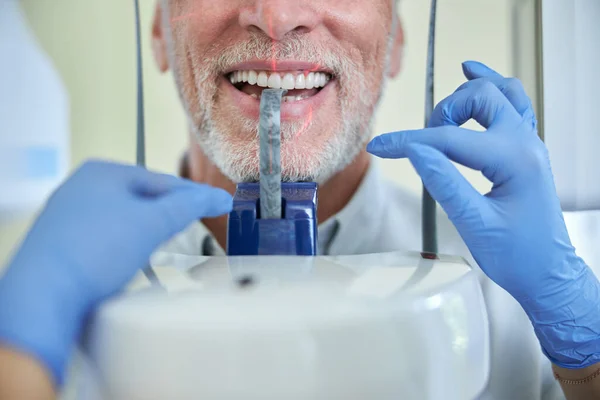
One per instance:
(295, 233)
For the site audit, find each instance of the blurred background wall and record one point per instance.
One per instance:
(92, 45)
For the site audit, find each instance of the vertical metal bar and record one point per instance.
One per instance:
(429, 207)
(140, 154)
(539, 42)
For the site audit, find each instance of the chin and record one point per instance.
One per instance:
(240, 162)
(313, 148)
(299, 163)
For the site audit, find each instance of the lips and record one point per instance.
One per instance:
(307, 87)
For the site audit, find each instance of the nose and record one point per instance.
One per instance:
(277, 18)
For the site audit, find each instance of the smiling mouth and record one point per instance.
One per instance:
(300, 85)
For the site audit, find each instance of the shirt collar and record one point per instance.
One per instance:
(361, 214)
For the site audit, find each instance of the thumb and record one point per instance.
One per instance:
(474, 70)
(445, 183)
(180, 208)
(153, 185)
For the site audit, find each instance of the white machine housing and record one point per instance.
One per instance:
(383, 326)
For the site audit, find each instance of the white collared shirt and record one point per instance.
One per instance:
(383, 217)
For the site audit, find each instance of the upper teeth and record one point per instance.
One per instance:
(276, 80)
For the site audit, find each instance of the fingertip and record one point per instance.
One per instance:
(467, 68)
(475, 69)
(472, 64)
(380, 145)
(225, 199)
(374, 145)
(216, 201)
(389, 145)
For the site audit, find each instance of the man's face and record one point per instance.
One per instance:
(331, 56)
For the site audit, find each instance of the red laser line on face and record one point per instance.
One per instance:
(307, 122)
(271, 33)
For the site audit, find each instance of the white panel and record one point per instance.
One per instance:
(571, 88)
(34, 120)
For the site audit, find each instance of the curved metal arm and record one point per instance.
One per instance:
(428, 221)
(140, 154)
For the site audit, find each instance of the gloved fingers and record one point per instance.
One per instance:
(511, 87)
(100, 171)
(150, 184)
(444, 182)
(137, 179)
(475, 69)
(481, 101)
(180, 208)
(469, 148)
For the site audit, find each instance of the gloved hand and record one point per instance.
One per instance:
(516, 233)
(95, 232)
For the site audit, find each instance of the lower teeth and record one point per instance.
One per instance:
(286, 99)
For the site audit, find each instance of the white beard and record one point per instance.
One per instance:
(239, 160)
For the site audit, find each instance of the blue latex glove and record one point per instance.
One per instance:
(95, 233)
(516, 233)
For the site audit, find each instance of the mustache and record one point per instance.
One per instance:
(295, 46)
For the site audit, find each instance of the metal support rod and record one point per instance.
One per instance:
(539, 42)
(428, 219)
(140, 153)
